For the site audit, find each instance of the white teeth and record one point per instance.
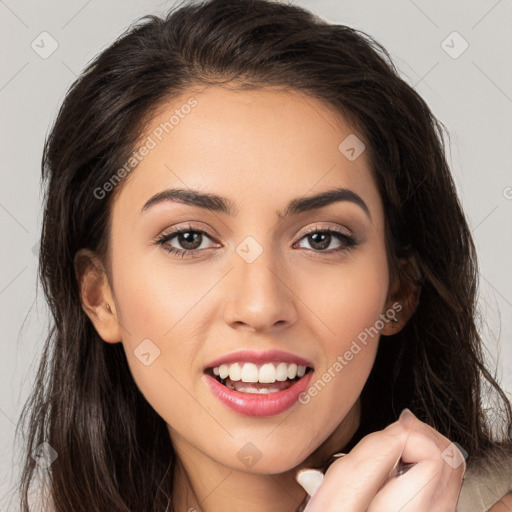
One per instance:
(235, 372)
(223, 371)
(292, 371)
(249, 373)
(282, 372)
(266, 374)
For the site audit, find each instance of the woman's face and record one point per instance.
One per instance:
(252, 276)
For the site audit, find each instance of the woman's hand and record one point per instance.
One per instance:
(358, 482)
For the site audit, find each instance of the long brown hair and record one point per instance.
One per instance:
(114, 451)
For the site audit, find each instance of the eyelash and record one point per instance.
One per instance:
(348, 241)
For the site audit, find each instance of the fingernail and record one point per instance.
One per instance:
(337, 455)
(310, 480)
(406, 417)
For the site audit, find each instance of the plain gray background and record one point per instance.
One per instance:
(469, 91)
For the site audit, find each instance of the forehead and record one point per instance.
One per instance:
(248, 145)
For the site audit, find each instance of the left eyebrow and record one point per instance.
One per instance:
(216, 203)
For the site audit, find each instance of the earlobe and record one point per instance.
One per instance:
(402, 301)
(393, 326)
(400, 311)
(96, 295)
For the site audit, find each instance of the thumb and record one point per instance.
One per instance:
(310, 480)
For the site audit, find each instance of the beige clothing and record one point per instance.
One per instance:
(485, 483)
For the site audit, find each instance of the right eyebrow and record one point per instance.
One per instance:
(216, 203)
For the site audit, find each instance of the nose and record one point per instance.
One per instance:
(260, 295)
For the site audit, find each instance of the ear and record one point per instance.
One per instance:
(403, 296)
(96, 295)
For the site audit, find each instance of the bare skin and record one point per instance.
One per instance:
(504, 505)
(260, 150)
(359, 481)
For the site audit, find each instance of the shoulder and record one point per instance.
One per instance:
(504, 505)
(487, 481)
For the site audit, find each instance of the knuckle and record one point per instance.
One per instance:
(396, 429)
(392, 437)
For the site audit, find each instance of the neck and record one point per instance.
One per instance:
(201, 484)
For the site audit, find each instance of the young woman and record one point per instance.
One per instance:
(255, 259)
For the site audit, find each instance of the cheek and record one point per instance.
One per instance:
(349, 302)
(157, 302)
(347, 297)
(156, 312)
(159, 351)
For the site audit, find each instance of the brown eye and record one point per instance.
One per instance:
(189, 240)
(185, 241)
(321, 239)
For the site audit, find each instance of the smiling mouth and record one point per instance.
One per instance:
(256, 387)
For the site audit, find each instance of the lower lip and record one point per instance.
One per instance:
(266, 404)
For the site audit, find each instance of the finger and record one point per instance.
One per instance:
(441, 463)
(434, 482)
(411, 492)
(354, 479)
(431, 484)
(310, 480)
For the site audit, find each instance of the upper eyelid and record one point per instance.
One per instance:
(327, 228)
(184, 229)
(165, 238)
(313, 229)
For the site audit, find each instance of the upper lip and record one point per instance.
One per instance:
(259, 357)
